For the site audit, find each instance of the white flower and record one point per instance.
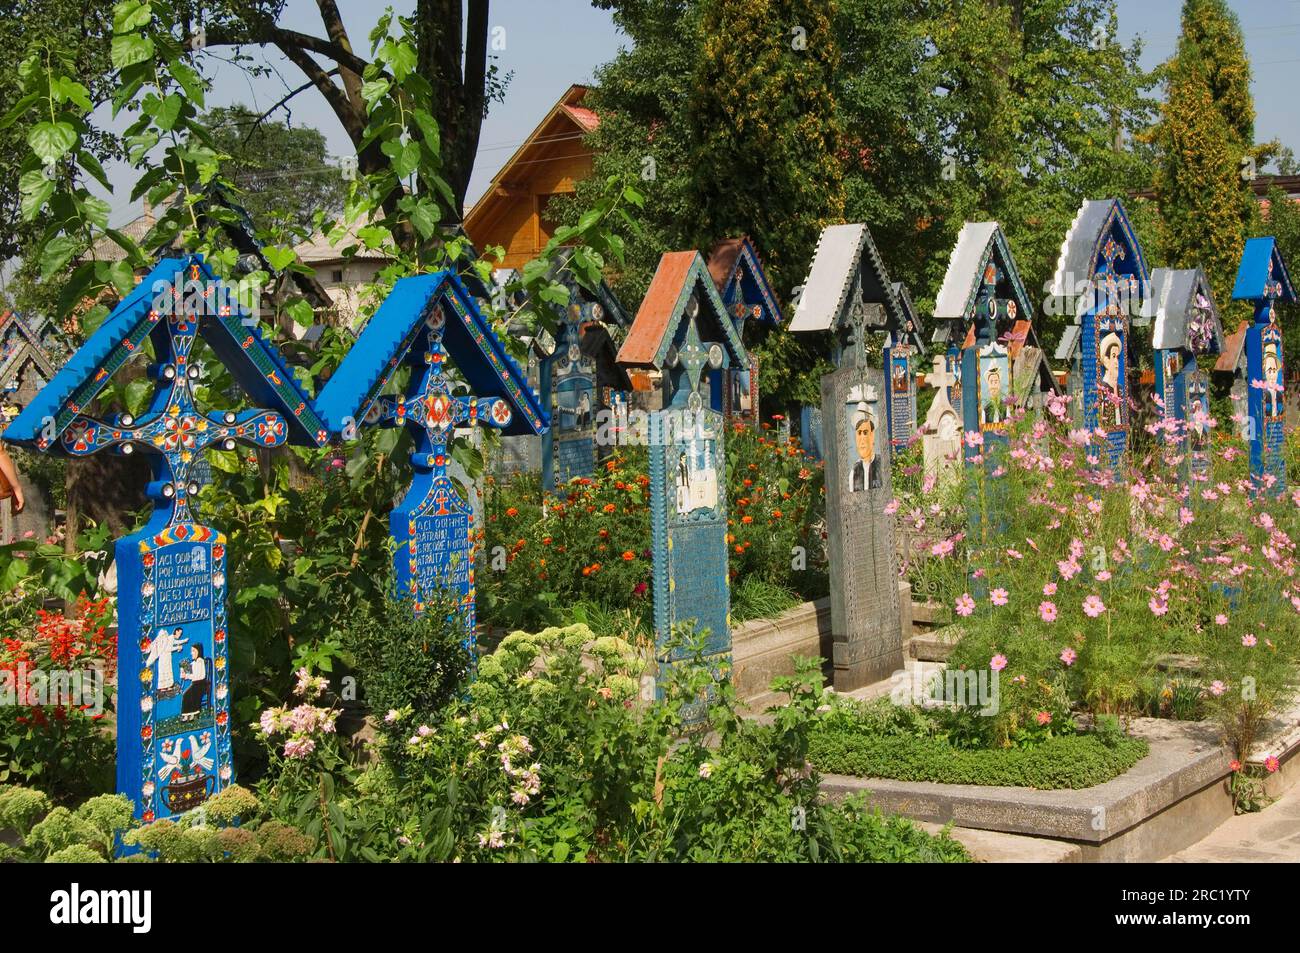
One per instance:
(706, 770)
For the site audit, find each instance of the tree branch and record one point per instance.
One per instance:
(310, 84)
(335, 96)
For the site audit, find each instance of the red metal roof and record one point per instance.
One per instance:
(651, 321)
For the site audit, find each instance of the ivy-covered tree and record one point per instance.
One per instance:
(1206, 141)
(765, 138)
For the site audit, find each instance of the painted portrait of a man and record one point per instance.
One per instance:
(865, 472)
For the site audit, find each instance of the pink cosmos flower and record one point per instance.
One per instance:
(1047, 611)
(998, 662)
(1217, 688)
(999, 597)
(1221, 619)
(974, 438)
(891, 507)
(1093, 606)
(1157, 606)
(1068, 656)
(1049, 589)
(1248, 640)
(965, 605)
(1103, 576)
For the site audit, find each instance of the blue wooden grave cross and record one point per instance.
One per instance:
(173, 722)
(428, 323)
(1263, 279)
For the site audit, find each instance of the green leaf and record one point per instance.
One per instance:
(36, 190)
(130, 49)
(122, 276)
(51, 140)
(56, 254)
(169, 111)
(131, 15)
(301, 312)
(279, 258)
(18, 110)
(189, 80)
(65, 89)
(137, 395)
(373, 90)
(91, 165)
(400, 57)
(96, 211)
(425, 218)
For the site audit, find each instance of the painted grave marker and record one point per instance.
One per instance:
(683, 330)
(941, 435)
(1102, 279)
(751, 302)
(984, 306)
(582, 385)
(1263, 280)
(849, 294)
(460, 376)
(173, 729)
(1186, 340)
(904, 347)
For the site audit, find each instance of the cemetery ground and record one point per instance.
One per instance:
(389, 590)
(1114, 621)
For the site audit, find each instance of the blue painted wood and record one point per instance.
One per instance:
(173, 736)
(688, 538)
(1263, 279)
(427, 323)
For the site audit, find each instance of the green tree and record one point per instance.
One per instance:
(281, 170)
(1206, 131)
(765, 142)
(1039, 108)
(81, 30)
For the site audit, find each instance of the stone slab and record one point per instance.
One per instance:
(1167, 801)
(995, 847)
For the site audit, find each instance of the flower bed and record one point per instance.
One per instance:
(588, 544)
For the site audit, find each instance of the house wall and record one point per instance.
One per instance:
(511, 220)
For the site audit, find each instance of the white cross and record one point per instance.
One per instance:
(940, 377)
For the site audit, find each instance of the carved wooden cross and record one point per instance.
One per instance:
(695, 354)
(173, 430)
(432, 411)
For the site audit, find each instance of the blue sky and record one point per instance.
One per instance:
(550, 44)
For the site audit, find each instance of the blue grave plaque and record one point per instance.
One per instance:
(173, 729)
(1186, 339)
(1102, 277)
(1263, 280)
(460, 375)
(683, 330)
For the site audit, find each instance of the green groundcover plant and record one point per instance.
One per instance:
(882, 740)
(550, 754)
